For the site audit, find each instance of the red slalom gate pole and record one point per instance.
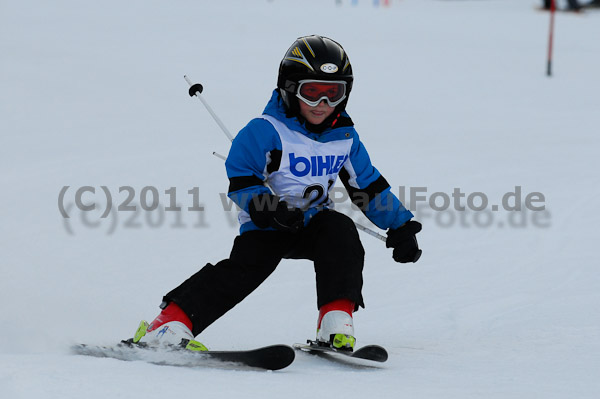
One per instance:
(551, 38)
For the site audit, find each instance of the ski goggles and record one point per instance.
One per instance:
(312, 92)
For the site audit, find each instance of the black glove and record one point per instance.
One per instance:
(404, 241)
(267, 211)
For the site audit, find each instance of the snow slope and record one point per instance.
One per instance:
(448, 94)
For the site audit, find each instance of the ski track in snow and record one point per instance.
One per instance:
(447, 94)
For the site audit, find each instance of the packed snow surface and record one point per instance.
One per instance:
(447, 95)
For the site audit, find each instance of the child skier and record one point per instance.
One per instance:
(281, 167)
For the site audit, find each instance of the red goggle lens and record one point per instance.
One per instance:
(313, 91)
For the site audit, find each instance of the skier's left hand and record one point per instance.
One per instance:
(404, 241)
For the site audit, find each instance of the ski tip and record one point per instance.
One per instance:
(375, 353)
(274, 357)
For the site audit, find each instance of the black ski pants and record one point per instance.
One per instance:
(330, 240)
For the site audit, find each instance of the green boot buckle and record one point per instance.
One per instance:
(343, 341)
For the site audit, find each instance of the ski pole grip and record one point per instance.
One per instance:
(195, 88)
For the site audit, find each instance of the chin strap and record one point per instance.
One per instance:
(335, 120)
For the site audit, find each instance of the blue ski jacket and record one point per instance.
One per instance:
(268, 156)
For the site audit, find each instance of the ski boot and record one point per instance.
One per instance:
(172, 327)
(335, 327)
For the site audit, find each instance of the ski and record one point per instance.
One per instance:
(274, 357)
(374, 353)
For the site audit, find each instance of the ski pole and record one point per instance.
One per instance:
(370, 232)
(196, 90)
(550, 37)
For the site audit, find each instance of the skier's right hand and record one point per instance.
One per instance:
(280, 216)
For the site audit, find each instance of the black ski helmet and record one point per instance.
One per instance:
(313, 57)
